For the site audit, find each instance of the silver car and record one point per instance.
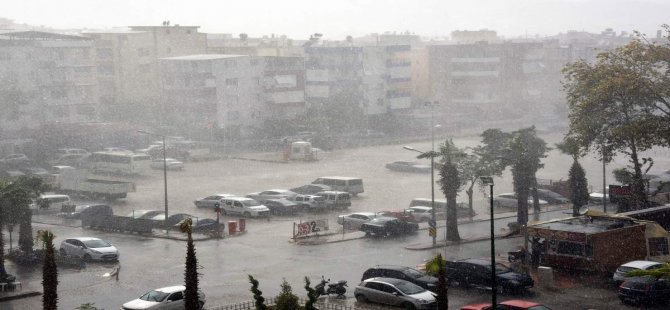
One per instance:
(211, 201)
(89, 249)
(355, 220)
(395, 292)
(171, 297)
(272, 194)
(509, 200)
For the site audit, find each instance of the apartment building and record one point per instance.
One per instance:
(127, 59)
(46, 78)
(272, 45)
(237, 93)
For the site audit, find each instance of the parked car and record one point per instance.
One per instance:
(60, 169)
(310, 189)
(243, 206)
(620, 273)
(144, 214)
(514, 304)
(645, 290)
(35, 171)
(74, 160)
(477, 272)
(88, 210)
(205, 225)
(550, 197)
(172, 219)
(89, 249)
(336, 199)
(424, 214)
(15, 159)
(310, 202)
(281, 206)
(403, 273)
(597, 198)
(272, 194)
(211, 201)
(171, 297)
(403, 215)
(65, 151)
(509, 200)
(170, 164)
(395, 292)
(387, 226)
(355, 220)
(408, 166)
(462, 208)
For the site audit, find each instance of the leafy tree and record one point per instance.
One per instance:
(311, 296)
(286, 299)
(620, 103)
(526, 150)
(49, 271)
(25, 231)
(662, 272)
(191, 298)
(258, 295)
(623, 176)
(579, 191)
(437, 266)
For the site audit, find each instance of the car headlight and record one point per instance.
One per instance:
(96, 252)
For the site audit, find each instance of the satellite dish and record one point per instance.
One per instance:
(583, 210)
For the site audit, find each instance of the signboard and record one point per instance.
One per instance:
(618, 192)
(311, 227)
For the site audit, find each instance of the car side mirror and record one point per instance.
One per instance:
(395, 293)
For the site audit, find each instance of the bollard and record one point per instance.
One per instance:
(232, 227)
(243, 224)
(545, 276)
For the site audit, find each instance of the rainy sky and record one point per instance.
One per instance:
(337, 19)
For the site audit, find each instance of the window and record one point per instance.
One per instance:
(574, 249)
(176, 296)
(231, 82)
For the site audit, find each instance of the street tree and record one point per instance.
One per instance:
(191, 298)
(259, 300)
(579, 191)
(49, 271)
(311, 296)
(450, 184)
(437, 266)
(621, 104)
(286, 300)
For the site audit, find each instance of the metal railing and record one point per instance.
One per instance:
(320, 304)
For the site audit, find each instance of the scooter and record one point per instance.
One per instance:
(338, 288)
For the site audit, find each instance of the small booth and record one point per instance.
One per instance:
(597, 242)
(302, 150)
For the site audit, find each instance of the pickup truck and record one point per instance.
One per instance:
(472, 272)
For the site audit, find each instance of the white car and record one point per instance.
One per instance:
(170, 164)
(355, 220)
(89, 249)
(620, 273)
(509, 200)
(171, 297)
(395, 292)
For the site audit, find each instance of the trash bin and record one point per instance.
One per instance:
(232, 227)
(243, 224)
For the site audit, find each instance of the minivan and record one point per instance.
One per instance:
(336, 199)
(353, 186)
(48, 201)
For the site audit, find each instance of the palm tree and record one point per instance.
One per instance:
(437, 266)
(450, 184)
(191, 298)
(49, 271)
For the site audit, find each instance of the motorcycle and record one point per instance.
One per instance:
(338, 288)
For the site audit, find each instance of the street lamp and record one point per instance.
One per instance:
(165, 223)
(488, 180)
(432, 155)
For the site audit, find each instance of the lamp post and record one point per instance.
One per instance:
(432, 155)
(487, 180)
(165, 223)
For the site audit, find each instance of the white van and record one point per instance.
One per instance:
(353, 186)
(48, 201)
(336, 199)
(243, 206)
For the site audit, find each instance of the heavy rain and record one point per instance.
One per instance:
(334, 155)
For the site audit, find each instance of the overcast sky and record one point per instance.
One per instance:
(337, 19)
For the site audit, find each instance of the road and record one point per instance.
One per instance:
(265, 250)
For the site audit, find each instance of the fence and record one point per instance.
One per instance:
(320, 304)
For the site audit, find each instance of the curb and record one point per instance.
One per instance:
(19, 295)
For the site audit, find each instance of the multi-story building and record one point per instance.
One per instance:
(223, 43)
(46, 78)
(237, 93)
(375, 78)
(127, 59)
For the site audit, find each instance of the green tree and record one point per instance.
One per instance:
(662, 272)
(286, 300)
(258, 295)
(579, 189)
(49, 271)
(191, 298)
(620, 104)
(311, 296)
(437, 266)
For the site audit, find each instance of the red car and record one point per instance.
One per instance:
(508, 305)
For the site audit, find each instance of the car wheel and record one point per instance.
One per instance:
(87, 258)
(361, 298)
(408, 306)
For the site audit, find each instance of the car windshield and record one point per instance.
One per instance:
(251, 203)
(154, 296)
(413, 273)
(409, 288)
(96, 243)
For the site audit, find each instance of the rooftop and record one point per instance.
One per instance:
(586, 224)
(203, 57)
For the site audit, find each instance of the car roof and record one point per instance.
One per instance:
(392, 281)
(520, 303)
(364, 213)
(171, 289)
(640, 264)
(84, 238)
